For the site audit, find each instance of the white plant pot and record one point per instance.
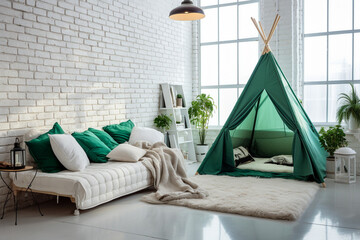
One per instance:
(201, 151)
(352, 124)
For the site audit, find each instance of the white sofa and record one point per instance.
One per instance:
(97, 184)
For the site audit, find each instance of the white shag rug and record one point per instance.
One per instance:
(273, 198)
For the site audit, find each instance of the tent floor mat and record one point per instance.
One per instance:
(260, 166)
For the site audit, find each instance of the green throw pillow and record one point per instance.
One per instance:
(95, 149)
(120, 132)
(40, 149)
(105, 138)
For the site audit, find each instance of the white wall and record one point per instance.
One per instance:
(86, 63)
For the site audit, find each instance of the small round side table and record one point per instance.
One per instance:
(14, 193)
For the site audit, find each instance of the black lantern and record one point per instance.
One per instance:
(187, 11)
(17, 156)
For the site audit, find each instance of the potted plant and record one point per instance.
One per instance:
(330, 140)
(349, 109)
(163, 122)
(200, 112)
(179, 100)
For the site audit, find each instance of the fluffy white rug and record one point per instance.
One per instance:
(259, 197)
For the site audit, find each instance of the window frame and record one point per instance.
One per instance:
(328, 82)
(217, 43)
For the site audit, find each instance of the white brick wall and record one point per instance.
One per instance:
(86, 63)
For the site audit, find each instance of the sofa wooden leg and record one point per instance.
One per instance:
(76, 212)
(323, 185)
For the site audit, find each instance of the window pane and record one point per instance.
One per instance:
(315, 102)
(357, 14)
(214, 94)
(357, 88)
(209, 65)
(248, 57)
(226, 1)
(209, 26)
(208, 2)
(357, 56)
(240, 91)
(334, 91)
(228, 63)
(340, 57)
(228, 97)
(315, 16)
(340, 15)
(228, 19)
(315, 59)
(246, 27)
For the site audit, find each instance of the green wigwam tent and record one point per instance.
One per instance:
(269, 120)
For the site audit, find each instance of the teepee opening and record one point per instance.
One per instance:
(265, 135)
(263, 131)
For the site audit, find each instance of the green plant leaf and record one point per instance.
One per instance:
(332, 139)
(200, 112)
(162, 122)
(349, 106)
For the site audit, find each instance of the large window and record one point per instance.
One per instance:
(229, 51)
(331, 55)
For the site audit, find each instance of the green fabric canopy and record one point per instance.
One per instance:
(269, 120)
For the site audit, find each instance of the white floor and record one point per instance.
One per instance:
(334, 214)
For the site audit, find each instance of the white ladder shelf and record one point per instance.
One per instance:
(180, 135)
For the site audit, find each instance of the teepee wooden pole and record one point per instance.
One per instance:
(276, 21)
(262, 29)
(273, 26)
(257, 27)
(262, 32)
(265, 39)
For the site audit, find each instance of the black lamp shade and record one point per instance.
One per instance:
(17, 156)
(187, 12)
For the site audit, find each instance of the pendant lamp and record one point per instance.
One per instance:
(187, 11)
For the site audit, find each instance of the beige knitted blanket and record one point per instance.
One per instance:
(167, 168)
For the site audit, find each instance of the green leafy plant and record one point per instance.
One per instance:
(200, 112)
(349, 106)
(332, 139)
(162, 122)
(179, 96)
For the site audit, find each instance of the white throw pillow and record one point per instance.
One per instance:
(69, 152)
(242, 156)
(282, 160)
(145, 134)
(126, 153)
